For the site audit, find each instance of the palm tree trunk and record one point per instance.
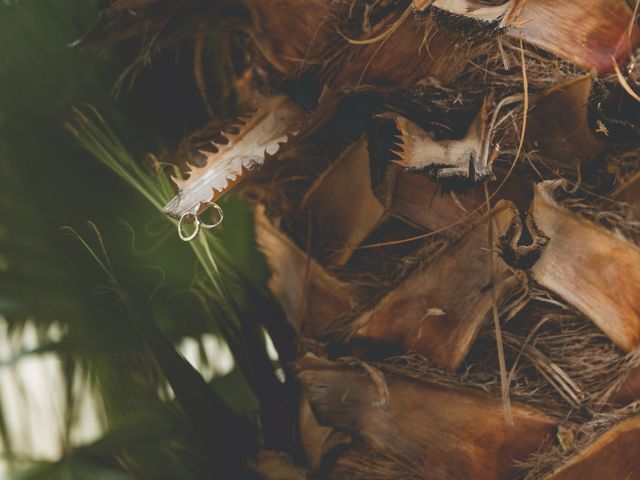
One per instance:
(443, 191)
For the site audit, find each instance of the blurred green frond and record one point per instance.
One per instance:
(70, 469)
(119, 350)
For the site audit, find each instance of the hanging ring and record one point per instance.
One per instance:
(196, 231)
(198, 223)
(219, 211)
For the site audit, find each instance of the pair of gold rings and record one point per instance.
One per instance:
(193, 217)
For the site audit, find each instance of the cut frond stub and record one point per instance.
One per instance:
(594, 269)
(249, 145)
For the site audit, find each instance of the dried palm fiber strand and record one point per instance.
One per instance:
(341, 206)
(378, 266)
(574, 358)
(423, 423)
(576, 31)
(249, 144)
(604, 447)
(583, 263)
(571, 362)
(438, 310)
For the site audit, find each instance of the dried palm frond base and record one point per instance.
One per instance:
(446, 193)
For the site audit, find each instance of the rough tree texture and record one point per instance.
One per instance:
(447, 193)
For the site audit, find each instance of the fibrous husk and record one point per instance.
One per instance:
(438, 310)
(292, 34)
(594, 269)
(466, 158)
(124, 19)
(310, 296)
(423, 424)
(399, 61)
(555, 352)
(249, 144)
(341, 206)
(294, 37)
